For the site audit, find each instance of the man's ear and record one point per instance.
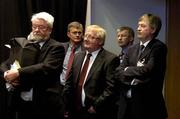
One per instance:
(153, 30)
(68, 34)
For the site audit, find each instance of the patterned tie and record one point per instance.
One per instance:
(81, 81)
(70, 61)
(121, 56)
(141, 50)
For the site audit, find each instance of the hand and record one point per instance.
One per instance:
(136, 81)
(91, 110)
(11, 75)
(15, 83)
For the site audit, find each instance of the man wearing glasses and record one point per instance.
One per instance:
(37, 83)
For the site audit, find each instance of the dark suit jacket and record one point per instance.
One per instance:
(66, 46)
(43, 76)
(147, 100)
(3, 99)
(99, 83)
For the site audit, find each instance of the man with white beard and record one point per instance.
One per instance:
(36, 83)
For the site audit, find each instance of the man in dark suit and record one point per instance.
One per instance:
(21, 50)
(73, 46)
(93, 96)
(38, 83)
(75, 34)
(125, 38)
(142, 71)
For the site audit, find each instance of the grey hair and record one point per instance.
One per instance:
(45, 16)
(101, 32)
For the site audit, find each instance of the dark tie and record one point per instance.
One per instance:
(141, 50)
(71, 57)
(129, 92)
(142, 47)
(82, 78)
(121, 56)
(35, 43)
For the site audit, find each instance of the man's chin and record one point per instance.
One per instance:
(139, 37)
(77, 41)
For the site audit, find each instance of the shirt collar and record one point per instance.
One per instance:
(145, 44)
(95, 53)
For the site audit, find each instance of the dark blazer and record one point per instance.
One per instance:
(147, 99)
(3, 98)
(66, 46)
(43, 77)
(99, 83)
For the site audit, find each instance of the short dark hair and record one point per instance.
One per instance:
(129, 29)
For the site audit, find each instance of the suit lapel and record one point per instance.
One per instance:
(45, 45)
(43, 50)
(135, 55)
(144, 53)
(147, 50)
(78, 65)
(66, 45)
(96, 64)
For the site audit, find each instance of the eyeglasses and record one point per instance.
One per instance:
(40, 27)
(91, 37)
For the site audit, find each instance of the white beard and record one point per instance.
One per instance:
(34, 37)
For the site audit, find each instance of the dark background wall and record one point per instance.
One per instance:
(16, 14)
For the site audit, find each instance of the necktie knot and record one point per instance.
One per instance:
(121, 54)
(89, 55)
(73, 48)
(142, 47)
(35, 43)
